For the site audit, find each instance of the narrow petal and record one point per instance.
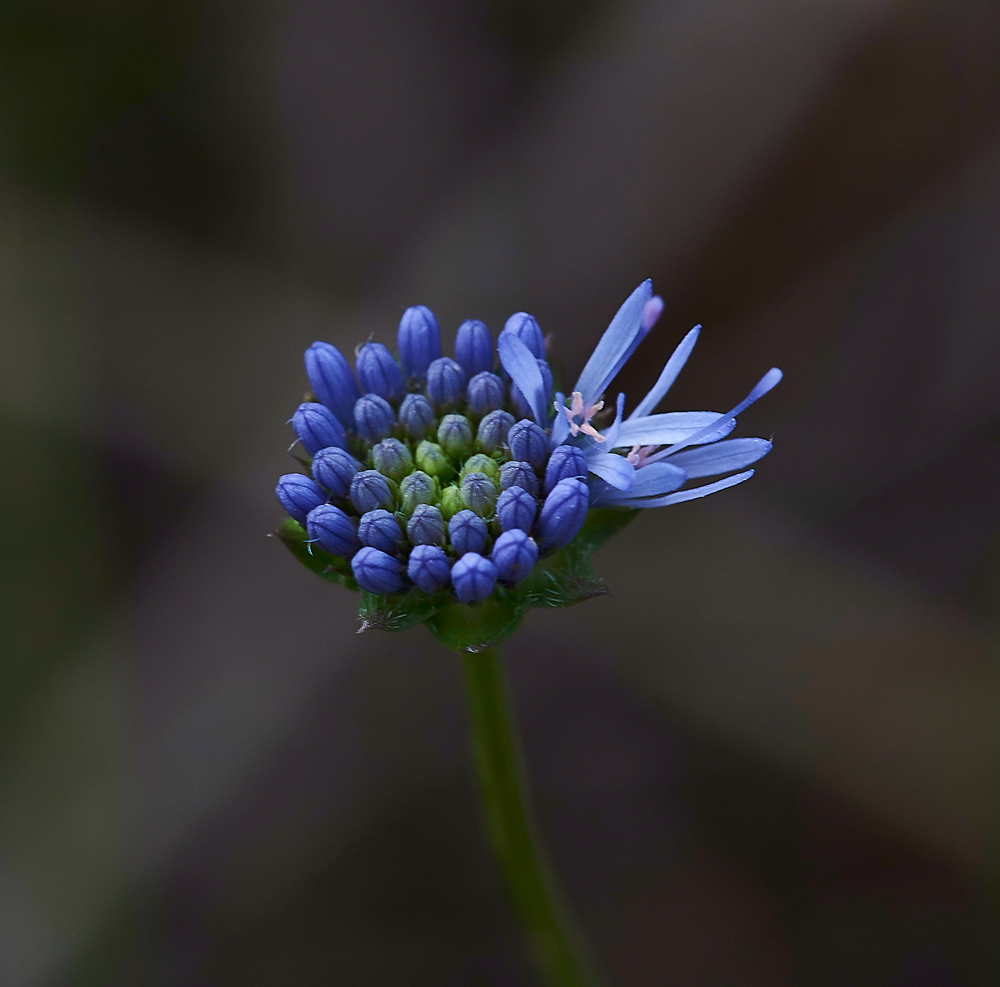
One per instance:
(769, 380)
(522, 366)
(693, 494)
(616, 470)
(611, 434)
(673, 426)
(720, 457)
(618, 342)
(650, 481)
(560, 427)
(673, 367)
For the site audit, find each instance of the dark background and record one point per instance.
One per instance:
(770, 757)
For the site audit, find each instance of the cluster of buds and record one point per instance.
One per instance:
(429, 472)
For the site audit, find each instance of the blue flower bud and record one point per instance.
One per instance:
(473, 577)
(378, 372)
(528, 443)
(417, 488)
(332, 380)
(317, 427)
(467, 532)
(479, 493)
(374, 417)
(371, 490)
(333, 530)
(416, 415)
(484, 393)
(392, 459)
(455, 435)
(525, 327)
(516, 508)
(563, 514)
(493, 430)
(377, 572)
(298, 495)
(445, 381)
(426, 526)
(429, 568)
(418, 340)
(482, 464)
(333, 469)
(380, 529)
(474, 347)
(451, 502)
(431, 459)
(565, 461)
(515, 474)
(514, 555)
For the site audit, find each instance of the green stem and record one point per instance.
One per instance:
(497, 755)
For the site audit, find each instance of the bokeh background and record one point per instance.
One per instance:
(770, 757)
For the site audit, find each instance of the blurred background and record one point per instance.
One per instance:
(770, 757)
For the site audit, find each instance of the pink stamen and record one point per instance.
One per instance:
(579, 417)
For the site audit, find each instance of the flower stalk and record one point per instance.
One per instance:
(496, 748)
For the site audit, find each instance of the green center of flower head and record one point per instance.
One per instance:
(458, 493)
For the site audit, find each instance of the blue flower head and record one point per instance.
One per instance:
(489, 491)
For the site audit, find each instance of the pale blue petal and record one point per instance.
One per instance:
(616, 470)
(618, 342)
(673, 426)
(522, 366)
(650, 481)
(769, 380)
(611, 434)
(560, 427)
(693, 494)
(721, 457)
(674, 366)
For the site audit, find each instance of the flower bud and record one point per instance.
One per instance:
(493, 431)
(298, 495)
(451, 502)
(429, 568)
(445, 381)
(371, 490)
(332, 380)
(317, 427)
(416, 415)
(528, 443)
(426, 526)
(333, 531)
(482, 464)
(516, 508)
(392, 459)
(380, 529)
(467, 532)
(474, 347)
(432, 460)
(333, 469)
(563, 513)
(484, 393)
(565, 461)
(418, 488)
(377, 572)
(514, 555)
(418, 340)
(516, 474)
(525, 327)
(378, 372)
(479, 493)
(455, 435)
(473, 577)
(374, 417)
